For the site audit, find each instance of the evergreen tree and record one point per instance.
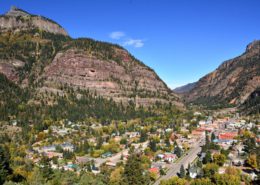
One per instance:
(199, 164)
(143, 136)
(5, 169)
(178, 151)
(134, 173)
(182, 172)
(188, 170)
(152, 145)
(213, 137)
(207, 158)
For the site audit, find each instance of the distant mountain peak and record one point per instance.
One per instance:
(185, 88)
(16, 12)
(17, 19)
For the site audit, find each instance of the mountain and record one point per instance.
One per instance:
(185, 88)
(232, 83)
(37, 53)
(18, 20)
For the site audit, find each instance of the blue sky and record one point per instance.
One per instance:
(182, 40)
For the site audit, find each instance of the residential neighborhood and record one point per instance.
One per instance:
(164, 149)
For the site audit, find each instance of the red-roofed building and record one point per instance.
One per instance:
(53, 154)
(227, 135)
(198, 133)
(173, 137)
(154, 170)
(169, 157)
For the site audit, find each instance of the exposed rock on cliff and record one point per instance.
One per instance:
(232, 82)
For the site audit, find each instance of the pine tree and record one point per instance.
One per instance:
(134, 173)
(152, 145)
(182, 172)
(188, 170)
(178, 151)
(213, 137)
(207, 158)
(5, 169)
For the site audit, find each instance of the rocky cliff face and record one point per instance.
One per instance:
(17, 20)
(232, 82)
(48, 60)
(106, 77)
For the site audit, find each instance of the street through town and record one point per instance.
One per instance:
(188, 158)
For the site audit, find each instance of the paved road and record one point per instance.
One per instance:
(175, 167)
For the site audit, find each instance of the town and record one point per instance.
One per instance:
(166, 150)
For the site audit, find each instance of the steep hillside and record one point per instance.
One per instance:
(252, 104)
(11, 95)
(37, 53)
(231, 83)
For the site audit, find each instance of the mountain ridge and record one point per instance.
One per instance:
(232, 82)
(48, 60)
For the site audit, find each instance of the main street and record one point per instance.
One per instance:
(185, 160)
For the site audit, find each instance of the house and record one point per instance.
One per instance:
(193, 172)
(14, 122)
(168, 130)
(53, 154)
(198, 133)
(82, 160)
(173, 137)
(160, 156)
(155, 170)
(111, 164)
(132, 134)
(169, 157)
(62, 132)
(50, 148)
(221, 170)
(92, 140)
(238, 162)
(202, 122)
(68, 147)
(227, 136)
(197, 114)
(160, 165)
